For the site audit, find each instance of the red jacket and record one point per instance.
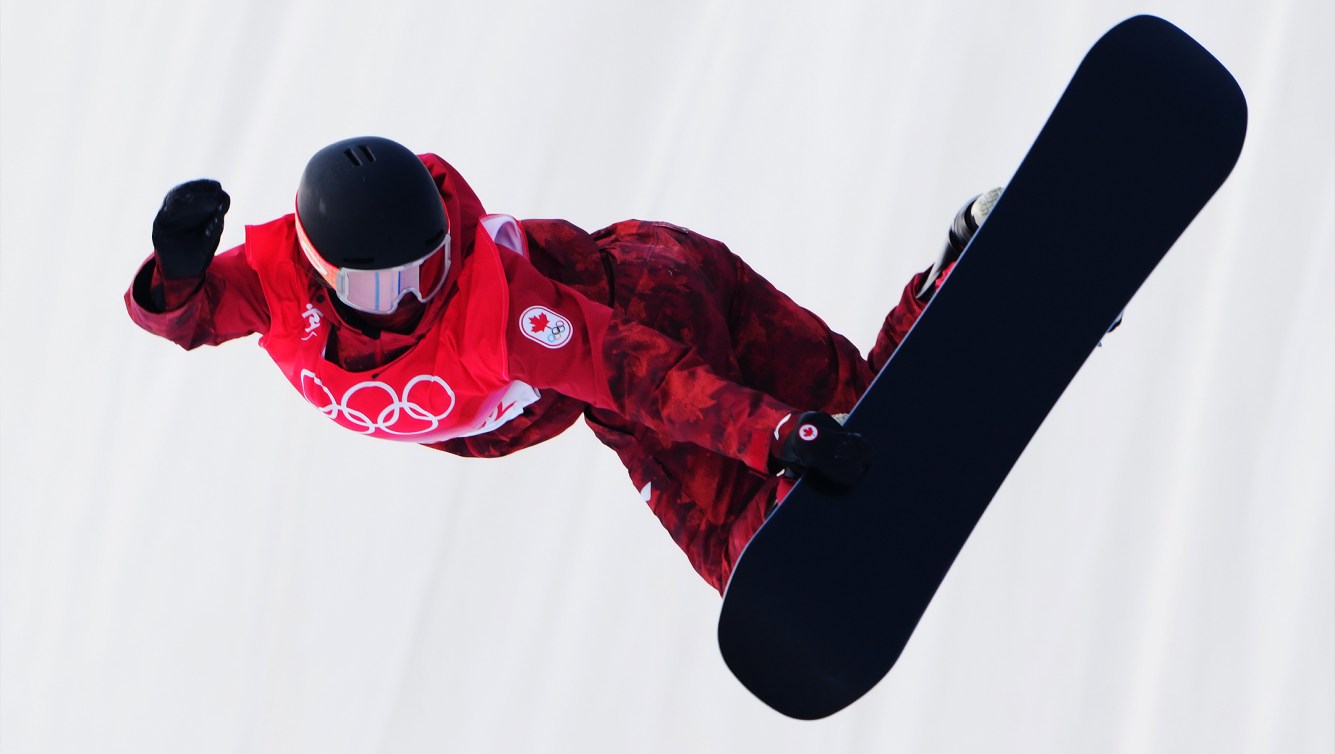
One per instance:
(573, 349)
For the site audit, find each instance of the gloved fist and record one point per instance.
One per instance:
(819, 444)
(188, 227)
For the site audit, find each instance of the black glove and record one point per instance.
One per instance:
(817, 443)
(188, 227)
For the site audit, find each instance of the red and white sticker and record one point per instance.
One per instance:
(545, 327)
(808, 432)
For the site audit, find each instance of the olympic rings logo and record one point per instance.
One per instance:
(545, 327)
(403, 417)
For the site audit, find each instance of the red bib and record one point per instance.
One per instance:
(453, 383)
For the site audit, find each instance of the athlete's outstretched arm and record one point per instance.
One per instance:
(183, 292)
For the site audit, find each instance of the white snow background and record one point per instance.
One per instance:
(193, 560)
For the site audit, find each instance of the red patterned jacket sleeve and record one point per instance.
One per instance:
(618, 365)
(227, 303)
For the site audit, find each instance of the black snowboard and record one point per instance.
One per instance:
(826, 595)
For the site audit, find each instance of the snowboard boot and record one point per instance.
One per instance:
(962, 229)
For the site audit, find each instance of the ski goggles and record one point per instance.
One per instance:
(380, 291)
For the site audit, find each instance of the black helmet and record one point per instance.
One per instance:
(368, 203)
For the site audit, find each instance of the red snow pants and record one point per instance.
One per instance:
(695, 290)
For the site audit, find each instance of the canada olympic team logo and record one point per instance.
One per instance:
(545, 327)
(372, 406)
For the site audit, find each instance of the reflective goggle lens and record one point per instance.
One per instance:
(379, 291)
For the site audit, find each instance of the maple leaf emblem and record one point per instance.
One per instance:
(545, 327)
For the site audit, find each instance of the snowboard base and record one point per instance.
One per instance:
(826, 595)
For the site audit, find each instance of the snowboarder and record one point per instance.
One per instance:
(706, 380)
